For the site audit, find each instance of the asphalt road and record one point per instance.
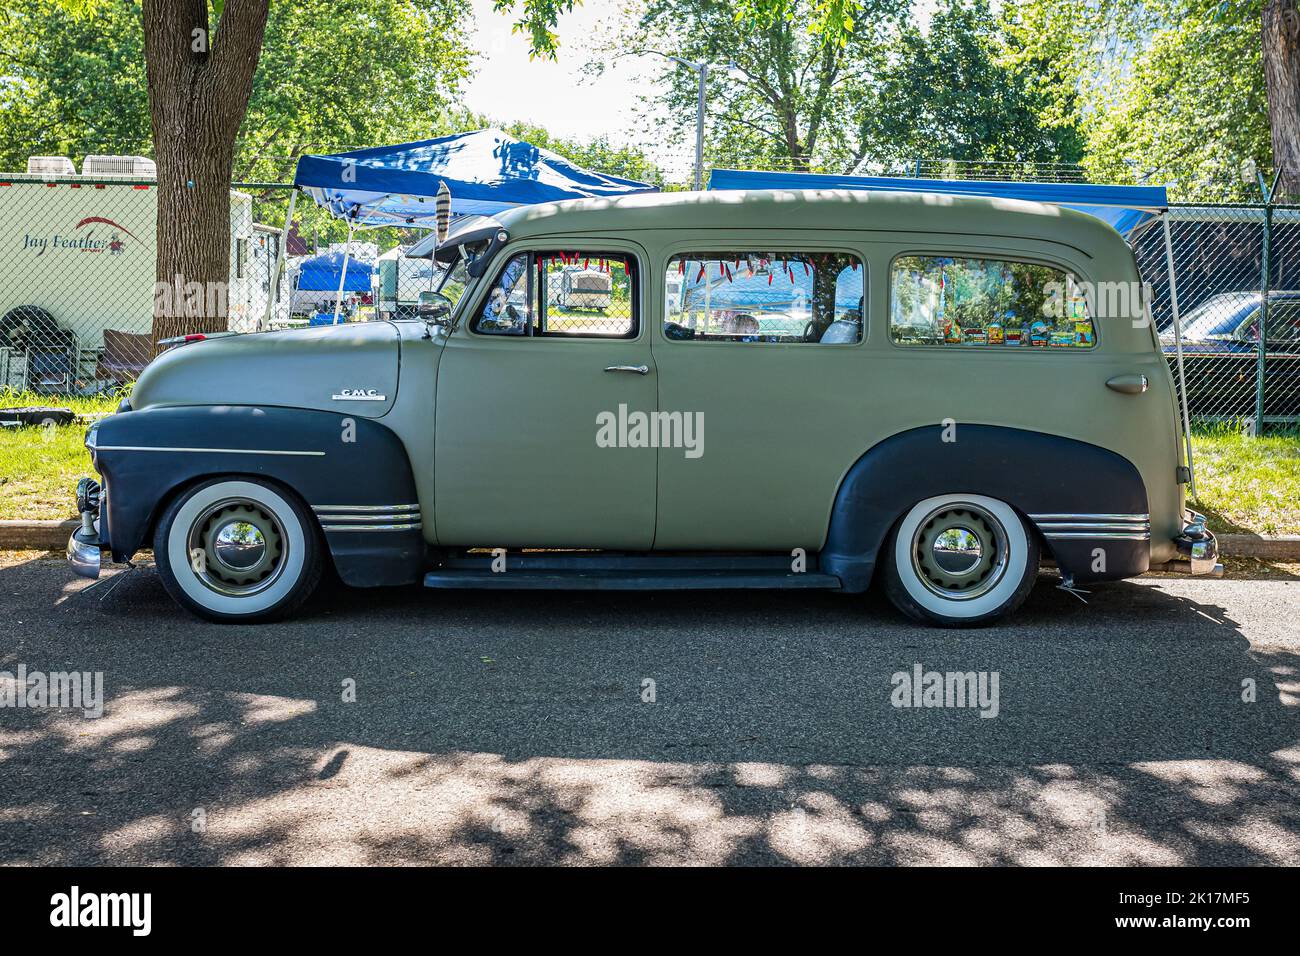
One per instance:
(512, 728)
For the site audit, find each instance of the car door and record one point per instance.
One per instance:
(528, 385)
(760, 351)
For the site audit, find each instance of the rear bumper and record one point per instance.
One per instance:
(1198, 549)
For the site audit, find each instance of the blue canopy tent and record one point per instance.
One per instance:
(1126, 208)
(485, 171)
(1123, 207)
(323, 274)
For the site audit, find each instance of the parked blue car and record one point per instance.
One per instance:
(1221, 350)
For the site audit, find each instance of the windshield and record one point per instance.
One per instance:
(1219, 317)
(453, 281)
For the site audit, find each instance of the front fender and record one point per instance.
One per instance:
(338, 464)
(1045, 477)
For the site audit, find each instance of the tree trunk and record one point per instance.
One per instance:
(1281, 40)
(199, 83)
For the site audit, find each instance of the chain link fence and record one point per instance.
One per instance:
(1237, 272)
(77, 291)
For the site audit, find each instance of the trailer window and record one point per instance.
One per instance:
(765, 296)
(958, 302)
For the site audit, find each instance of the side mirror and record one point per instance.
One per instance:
(433, 308)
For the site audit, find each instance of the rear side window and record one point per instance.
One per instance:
(577, 293)
(757, 296)
(959, 302)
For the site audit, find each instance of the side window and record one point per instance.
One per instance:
(582, 295)
(962, 302)
(765, 296)
(588, 294)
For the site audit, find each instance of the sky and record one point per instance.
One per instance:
(556, 94)
(559, 96)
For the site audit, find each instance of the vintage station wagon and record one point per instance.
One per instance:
(772, 389)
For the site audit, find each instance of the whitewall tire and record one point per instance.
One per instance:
(238, 550)
(960, 560)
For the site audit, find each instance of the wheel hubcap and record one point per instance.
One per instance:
(236, 547)
(959, 551)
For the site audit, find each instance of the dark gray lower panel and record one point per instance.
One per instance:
(524, 579)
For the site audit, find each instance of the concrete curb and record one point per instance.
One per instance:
(53, 536)
(23, 535)
(1282, 547)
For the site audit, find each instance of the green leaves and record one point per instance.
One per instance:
(536, 19)
(1164, 91)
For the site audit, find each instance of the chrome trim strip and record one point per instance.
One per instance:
(1111, 535)
(1098, 526)
(376, 518)
(1089, 517)
(221, 451)
(370, 527)
(365, 508)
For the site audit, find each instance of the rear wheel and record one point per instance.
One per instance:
(960, 561)
(238, 550)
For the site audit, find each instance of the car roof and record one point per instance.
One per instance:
(820, 209)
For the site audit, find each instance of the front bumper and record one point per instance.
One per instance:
(1198, 550)
(84, 543)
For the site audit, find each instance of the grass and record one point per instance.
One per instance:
(1245, 484)
(39, 467)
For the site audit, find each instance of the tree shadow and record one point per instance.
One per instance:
(515, 728)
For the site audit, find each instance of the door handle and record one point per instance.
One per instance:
(1129, 384)
(639, 369)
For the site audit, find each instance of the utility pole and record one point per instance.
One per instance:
(702, 69)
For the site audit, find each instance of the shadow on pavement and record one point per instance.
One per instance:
(511, 727)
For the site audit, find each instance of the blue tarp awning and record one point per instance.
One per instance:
(486, 171)
(1124, 207)
(322, 273)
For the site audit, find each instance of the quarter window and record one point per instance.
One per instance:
(582, 294)
(764, 296)
(960, 302)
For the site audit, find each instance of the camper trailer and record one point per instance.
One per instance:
(83, 250)
(398, 281)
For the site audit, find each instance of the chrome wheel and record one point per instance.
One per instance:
(959, 551)
(236, 547)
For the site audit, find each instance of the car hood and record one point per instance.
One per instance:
(348, 368)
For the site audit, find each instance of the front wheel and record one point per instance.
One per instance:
(238, 550)
(960, 560)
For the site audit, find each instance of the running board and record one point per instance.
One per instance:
(624, 580)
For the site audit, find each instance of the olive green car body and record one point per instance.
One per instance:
(499, 431)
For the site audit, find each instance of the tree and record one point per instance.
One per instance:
(949, 94)
(72, 83)
(199, 81)
(789, 101)
(832, 21)
(1281, 53)
(331, 74)
(1163, 90)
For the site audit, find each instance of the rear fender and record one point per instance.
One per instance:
(1050, 480)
